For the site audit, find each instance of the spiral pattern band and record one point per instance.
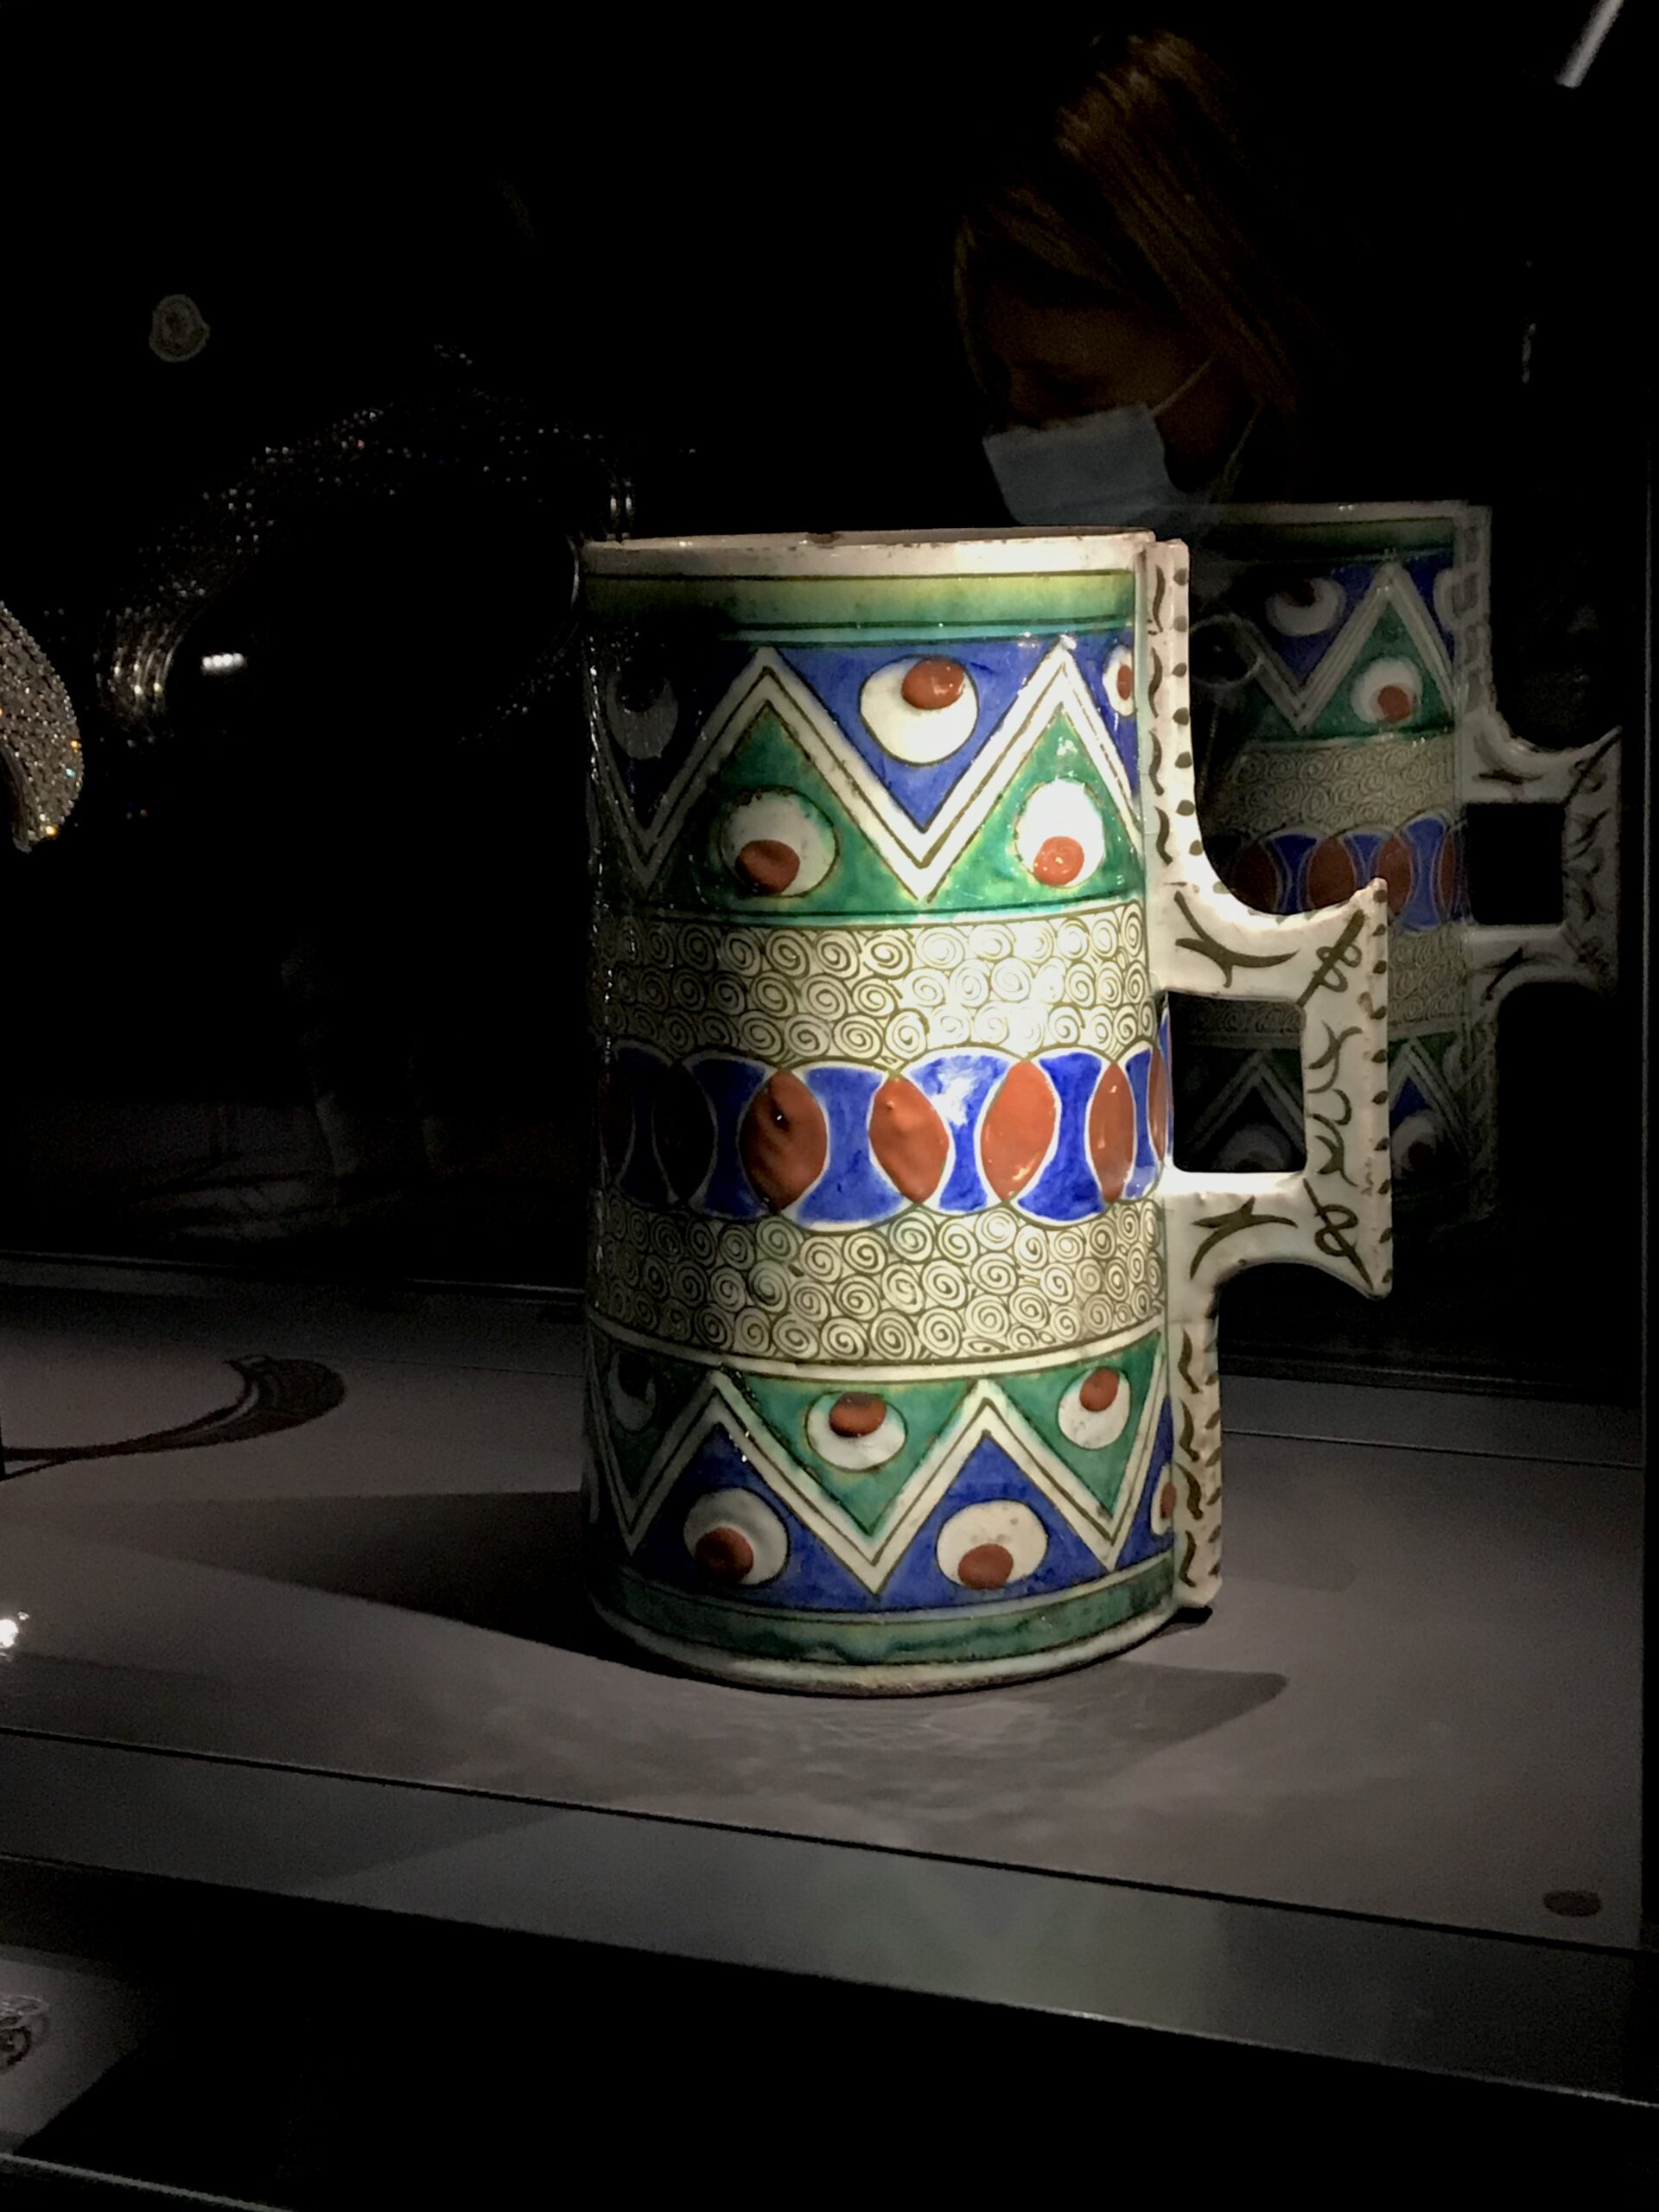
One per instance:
(921, 1291)
(880, 995)
(1332, 783)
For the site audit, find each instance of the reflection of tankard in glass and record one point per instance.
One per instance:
(22, 2028)
(901, 1345)
(1353, 725)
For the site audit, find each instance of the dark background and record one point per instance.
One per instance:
(301, 984)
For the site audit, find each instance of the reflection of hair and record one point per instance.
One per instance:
(1152, 185)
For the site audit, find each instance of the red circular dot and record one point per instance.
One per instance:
(1059, 860)
(1166, 1502)
(986, 1566)
(1099, 1389)
(768, 864)
(855, 1413)
(1394, 703)
(727, 1553)
(1123, 683)
(933, 683)
(633, 1372)
(640, 681)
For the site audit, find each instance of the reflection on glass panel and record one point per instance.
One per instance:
(303, 561)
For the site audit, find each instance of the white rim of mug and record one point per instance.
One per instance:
(872, 553)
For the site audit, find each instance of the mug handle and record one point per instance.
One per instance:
(1496, 767)
(1334, 1212)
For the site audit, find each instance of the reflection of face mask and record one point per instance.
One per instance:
(1108, 469)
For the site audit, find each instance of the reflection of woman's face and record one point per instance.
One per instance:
(1059, 362)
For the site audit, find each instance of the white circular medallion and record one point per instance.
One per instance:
(776, 843)
(1308, 609)
(1059, 836)
(853, 1430)
(1095, 1411)
(645, 726)
(1162, 1507)
(630, 1409)
(985, 1547)
(1414, 1145)
(1446, 609)
(1117, 682)
(1388, 691)
(736, 1538)
(919, 734)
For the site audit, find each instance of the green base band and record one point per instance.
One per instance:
(898, 1653)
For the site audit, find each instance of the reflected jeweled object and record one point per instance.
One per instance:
(1355, 726)
(901, 1353)
(374, 461)
(39, 745)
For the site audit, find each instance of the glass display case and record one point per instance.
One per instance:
(296, 1664)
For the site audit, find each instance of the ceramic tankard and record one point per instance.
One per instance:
(1355, 724)
(901, 1345)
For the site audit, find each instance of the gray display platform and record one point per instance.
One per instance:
(1417, 1698)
